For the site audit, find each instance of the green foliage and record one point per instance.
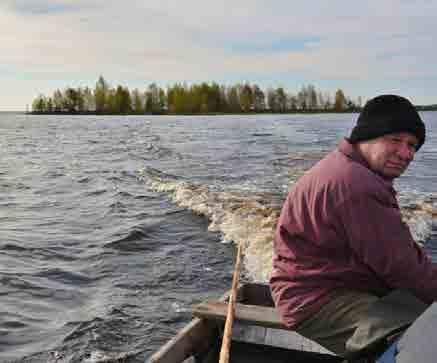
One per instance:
(101, 95)
(122, 101)
(137, 102)
(340, 101)
(88, 101)
(203, 98)
(155, 99)
(72, 97)
(259, 103)
(246, 98)
(39, 104)
(277, 100)
(233, 98)
(58, 101)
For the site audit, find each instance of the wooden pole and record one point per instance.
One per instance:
(227, 333)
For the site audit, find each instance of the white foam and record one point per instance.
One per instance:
(240, 217)
(419, 212)
(250, 218)
(177, 308)
(99, 356)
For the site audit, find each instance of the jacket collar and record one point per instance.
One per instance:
(348, 149)
(351, 151)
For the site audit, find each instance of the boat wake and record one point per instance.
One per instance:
(241, 217)
(420, 213)
(249, 218)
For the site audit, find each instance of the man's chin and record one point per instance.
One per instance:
(393, 172)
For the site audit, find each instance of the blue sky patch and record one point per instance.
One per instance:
(294, 44)
(41, 7)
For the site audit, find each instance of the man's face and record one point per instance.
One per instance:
(390, 155)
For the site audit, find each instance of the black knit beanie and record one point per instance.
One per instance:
(387, 114)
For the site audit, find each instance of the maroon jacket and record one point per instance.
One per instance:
(341, 228)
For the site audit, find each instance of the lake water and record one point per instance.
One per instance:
(112, 227)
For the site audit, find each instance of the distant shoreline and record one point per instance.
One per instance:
(297, 112)
(92, 113)
(426, 108)
(195, 99)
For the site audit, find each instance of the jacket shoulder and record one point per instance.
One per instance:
(346, 177)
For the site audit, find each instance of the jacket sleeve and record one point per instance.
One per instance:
(381, 240)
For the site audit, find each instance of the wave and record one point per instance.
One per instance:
(153, 151)
(242, 217)
(83, 180)
(48, 253)
(420, 213)
(134, 241)
(250, 218)
(106, 339)
(96, 192)
(99, 356)
(16, 186)
(65, 277)
(13, 247)
(261, 134)
(138, 239)
(19, 283)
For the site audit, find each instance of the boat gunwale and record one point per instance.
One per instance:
(185, 343)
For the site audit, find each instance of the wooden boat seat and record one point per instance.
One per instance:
(252, 314)
(258, 324)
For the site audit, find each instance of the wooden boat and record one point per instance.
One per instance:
(258, 334)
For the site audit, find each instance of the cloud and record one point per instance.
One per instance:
(168, 41)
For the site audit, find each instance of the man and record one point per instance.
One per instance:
(340, 242)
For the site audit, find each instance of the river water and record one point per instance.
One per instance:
(112, 227)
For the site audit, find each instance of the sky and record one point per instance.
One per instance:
(363, 47)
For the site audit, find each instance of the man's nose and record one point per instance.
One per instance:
(406, 151)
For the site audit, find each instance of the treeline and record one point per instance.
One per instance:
(427, 108)
(200, 98)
